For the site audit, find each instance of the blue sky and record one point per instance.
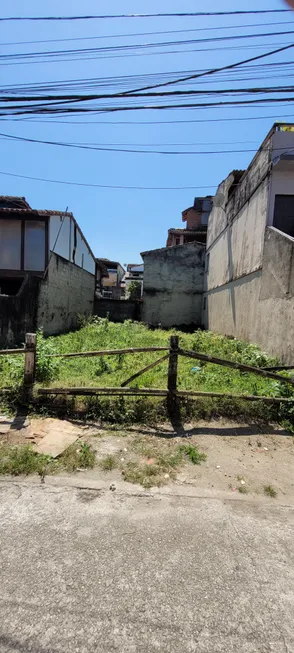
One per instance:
(119, 224)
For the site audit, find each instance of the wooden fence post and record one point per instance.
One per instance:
(29, 363)
(172, 400)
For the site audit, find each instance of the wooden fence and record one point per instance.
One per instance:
(171, 354)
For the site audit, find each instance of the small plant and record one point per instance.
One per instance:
(191, 452)
(23, 460)
(108, 463)
(47, 368)
(78, 455)
(243, 489)
(270, 491)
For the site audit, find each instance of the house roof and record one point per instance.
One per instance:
(25, 208)
(10, 201)
(110, 264)
(180, 231)
(162, 249)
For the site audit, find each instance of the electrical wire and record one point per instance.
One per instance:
(124, 150)
(158, 15)
(87, 185)
(128, 35)
(142, 122)
(135, 46)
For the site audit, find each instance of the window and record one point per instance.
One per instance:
(284, 214)
(34, 245)
(10, 244)
(23, 245)
(178, 240)
(204, 303)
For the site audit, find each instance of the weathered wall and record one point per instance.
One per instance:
(67, 292)
(118, 311)
(173, 285)
(18, 313)
(237, 251)
(260, 306)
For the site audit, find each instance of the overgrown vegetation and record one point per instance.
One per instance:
(113, 370)
(18, 460)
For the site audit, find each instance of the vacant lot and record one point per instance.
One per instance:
(108, 371)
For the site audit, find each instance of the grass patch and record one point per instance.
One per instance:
(158, 461)
(108, 463)
(23, 460)
(270, 491)
(147, 475)
(243, 489)
(78, 456)
(191, 452)
(113, 370)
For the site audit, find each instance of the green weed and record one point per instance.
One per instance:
(243, 489)
(23, 460)
(270, 491)
(191, 452)
(16, 460)
(108, 463)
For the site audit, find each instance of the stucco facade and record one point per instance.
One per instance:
(173, 285)
(65, 294)
(249, 280)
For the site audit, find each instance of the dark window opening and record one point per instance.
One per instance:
(74, 244)
(10, 286)
(284, 214)
(178, 241)
(204, 303)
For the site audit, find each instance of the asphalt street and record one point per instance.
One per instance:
(89, 570)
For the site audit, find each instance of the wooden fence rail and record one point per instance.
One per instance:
(171, 392)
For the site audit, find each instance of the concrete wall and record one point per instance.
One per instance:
(18, 313)
(118, 311)
(67, 292)
(173, 285)
(250, 277)
(260, 306)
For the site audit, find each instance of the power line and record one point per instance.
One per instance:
(134, 46)
(56, 110)
(158, 15)
(143, 122)
(131, 93)
(86, 185)
(122, 36)
(124, 150)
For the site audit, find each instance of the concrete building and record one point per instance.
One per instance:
(47, 271)
(196, 218)
(173, 285)
(249, 280)
(134, 274)
(112, 284)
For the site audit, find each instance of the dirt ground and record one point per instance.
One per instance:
(240, 457)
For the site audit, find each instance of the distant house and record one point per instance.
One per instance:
(134, 274)
(112, 284)
(47, 270)
(196, 218)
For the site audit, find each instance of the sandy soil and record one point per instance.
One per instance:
(238, 455)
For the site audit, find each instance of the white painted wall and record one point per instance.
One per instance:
(61, 238)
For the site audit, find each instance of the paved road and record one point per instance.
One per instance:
(93, 571)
